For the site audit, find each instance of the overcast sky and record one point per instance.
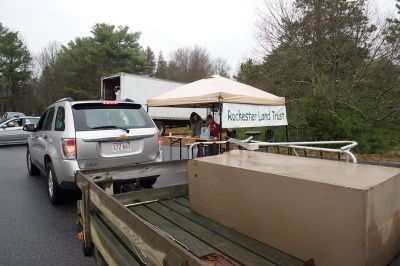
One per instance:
(224, 27)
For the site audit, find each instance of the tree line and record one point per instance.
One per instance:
(338, 70)
(30, 83)
(337, 67)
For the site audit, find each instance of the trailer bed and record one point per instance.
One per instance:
(156, 226)
(202, 236)
(198, 235)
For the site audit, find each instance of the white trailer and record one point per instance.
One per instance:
(140, 88)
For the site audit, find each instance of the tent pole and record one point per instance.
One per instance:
(220, 121)
(287, 139)
(147, 108)
(287, 133)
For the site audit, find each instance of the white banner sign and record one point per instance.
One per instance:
(249, 115)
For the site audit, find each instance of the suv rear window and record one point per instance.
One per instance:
(101, 116)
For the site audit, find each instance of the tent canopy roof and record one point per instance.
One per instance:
(212, 90)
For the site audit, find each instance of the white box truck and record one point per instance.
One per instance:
(140, 88)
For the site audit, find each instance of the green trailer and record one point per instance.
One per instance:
(156, 226)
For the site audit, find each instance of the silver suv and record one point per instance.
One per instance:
(74, 135)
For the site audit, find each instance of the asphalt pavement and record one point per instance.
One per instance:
(32, 231)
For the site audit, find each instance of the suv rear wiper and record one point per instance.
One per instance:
(111, 127)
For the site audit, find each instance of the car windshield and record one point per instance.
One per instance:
(104, 116)
(25, 121)
(31, 120)
(13, 114)
(6, 122)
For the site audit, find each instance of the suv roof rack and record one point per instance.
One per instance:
(68, 99)
(129, 100)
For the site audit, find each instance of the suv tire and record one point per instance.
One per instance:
(148, 182)
(54, 192)
(32, 169)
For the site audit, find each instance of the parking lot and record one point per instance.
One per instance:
(33, 232)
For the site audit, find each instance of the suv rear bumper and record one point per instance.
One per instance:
(65, 171)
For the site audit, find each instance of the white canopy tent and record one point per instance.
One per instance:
(212, 90)
(240, 105)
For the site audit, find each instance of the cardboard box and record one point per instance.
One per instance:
(335, 212)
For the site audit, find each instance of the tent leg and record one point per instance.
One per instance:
(220, 121)
(287, 138)
(287, 133)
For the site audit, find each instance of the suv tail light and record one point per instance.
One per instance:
(68, 147)
(160, 142)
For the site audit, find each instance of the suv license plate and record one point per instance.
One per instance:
(121, 146)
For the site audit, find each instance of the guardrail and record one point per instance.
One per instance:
(249, 144)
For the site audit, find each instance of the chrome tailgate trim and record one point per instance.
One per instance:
(111, 139)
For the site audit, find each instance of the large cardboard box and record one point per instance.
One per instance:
(335, 212)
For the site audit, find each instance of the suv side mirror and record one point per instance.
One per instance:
(29, 127)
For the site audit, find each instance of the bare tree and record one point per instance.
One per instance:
(50, 76)
(221, 67)
(332, 60)
(189, 64)
(270, 26)
(47, 58)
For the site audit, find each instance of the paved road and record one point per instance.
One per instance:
(32, 231)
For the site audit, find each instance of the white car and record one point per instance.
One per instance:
(9, 115)
(11, 130)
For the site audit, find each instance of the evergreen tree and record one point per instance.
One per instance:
(110, 49)
(150, 62)
(14, 67)
(249, 73)
(162, 65)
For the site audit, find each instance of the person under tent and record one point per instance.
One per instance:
(214, 130)
(213, 127)
(195, 124)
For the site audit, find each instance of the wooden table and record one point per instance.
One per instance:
(178, 139)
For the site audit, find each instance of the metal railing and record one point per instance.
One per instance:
(249, 144)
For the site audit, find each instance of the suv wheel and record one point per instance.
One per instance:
(53, 190)
(148, 182)
(32, 169)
